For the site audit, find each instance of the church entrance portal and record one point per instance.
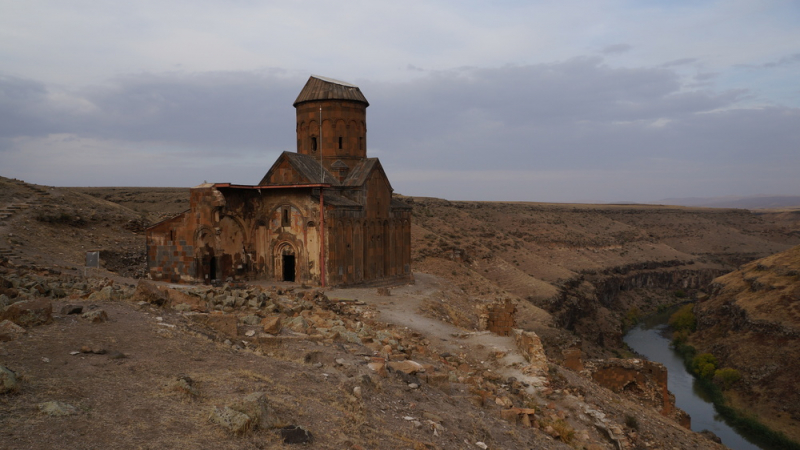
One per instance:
(288, 267)
(288, 263)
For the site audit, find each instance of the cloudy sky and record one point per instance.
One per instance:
(562, 101)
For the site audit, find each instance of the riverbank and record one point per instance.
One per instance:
(745, 424)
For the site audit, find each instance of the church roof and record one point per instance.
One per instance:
(308, 167)
(322, 88)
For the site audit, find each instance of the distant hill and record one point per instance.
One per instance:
(754, 202)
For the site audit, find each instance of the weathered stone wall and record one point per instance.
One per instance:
(500, 317)
(643, 380)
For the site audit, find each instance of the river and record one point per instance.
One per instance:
(651, 339)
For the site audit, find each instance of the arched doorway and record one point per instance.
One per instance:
(287, 262)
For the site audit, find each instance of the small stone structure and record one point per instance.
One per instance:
(498, 317)
(644, 380)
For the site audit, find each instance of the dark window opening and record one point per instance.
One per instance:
(313, 144)
(285, 218)
(298, 145)
(340, 142)
(288, 267)
(361, 143)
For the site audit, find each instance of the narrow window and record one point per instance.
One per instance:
(313, 144)
(340, 142)
(298, 145)
(361, 143)
(285, 218)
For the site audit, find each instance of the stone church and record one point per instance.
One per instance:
(321, 216)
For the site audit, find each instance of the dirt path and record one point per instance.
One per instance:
(402, 308)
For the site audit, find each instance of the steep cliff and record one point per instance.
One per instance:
(751, 323)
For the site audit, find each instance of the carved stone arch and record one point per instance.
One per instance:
(288, 259)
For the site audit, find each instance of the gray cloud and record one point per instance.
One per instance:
(546, 132)
(615, 49)
(679, 62)
(785, 61)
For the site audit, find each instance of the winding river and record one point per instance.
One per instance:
(651, 339)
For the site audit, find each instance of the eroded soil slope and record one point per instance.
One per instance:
(751, 323)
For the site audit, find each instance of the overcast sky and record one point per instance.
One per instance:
(563, 101)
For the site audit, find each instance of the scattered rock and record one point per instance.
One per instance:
(256, 407)
(294, 434)
(184, 385)
(10, 331)
(272, 325)
(407, 367)
(384, 291)
(96, 316)
(148, 292)
(29, 313)
(234, 421)
(93, 349)
(8, 380)
(57, 409)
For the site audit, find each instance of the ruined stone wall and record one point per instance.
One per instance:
(643, 380)
(500, 317)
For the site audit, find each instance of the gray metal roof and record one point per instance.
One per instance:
(321, 88)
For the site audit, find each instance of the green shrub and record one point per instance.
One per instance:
(704, 365)
(684, 319)
(727, 377)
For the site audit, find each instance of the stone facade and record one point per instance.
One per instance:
(324, 215)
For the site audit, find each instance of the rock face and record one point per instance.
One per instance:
(591, 304)
(751, 322)
(644, 380)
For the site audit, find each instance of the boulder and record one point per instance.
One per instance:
(190, 302)
(148, 292)
(96, 316)
(10, 331)
(272, 325)
(232, 420)
(8, 380)
(256, 407)
(29, 313)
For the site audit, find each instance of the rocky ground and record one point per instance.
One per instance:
(575, 275)
(97, 363)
